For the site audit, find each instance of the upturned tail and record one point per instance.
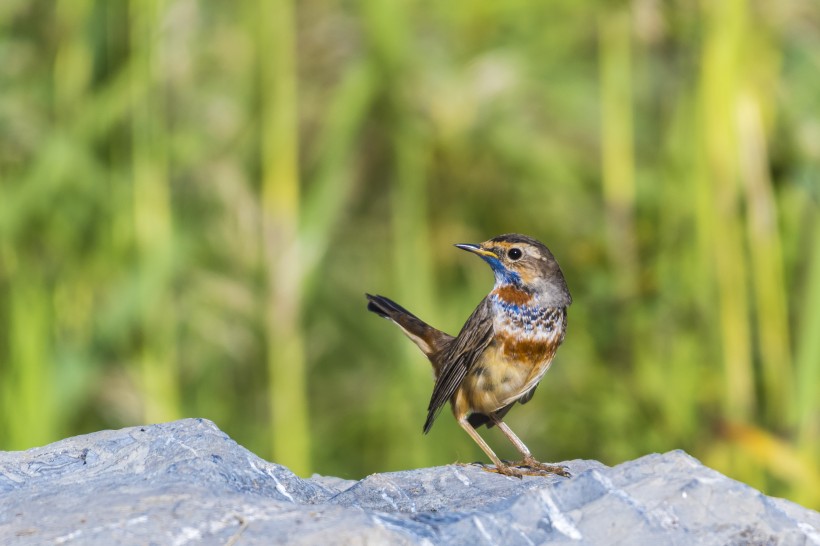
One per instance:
(430, 340)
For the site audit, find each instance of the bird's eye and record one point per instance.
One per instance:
(514, 253)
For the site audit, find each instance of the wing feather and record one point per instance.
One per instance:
(459, 357)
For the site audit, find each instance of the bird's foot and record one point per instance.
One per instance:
(506, 470)
(519, 471)
(527, 467)
(543, 468)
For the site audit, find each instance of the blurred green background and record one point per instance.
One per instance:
(194, 197)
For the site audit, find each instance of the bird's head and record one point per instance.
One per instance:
(525, 263)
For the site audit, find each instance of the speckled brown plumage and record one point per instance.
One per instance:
(505, 347)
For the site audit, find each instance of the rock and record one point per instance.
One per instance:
(187, 482)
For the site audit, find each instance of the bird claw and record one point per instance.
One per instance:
(528, 467)
(558, 470)
(505, 470)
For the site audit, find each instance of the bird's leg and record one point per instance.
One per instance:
(528, 459)
(500, 467)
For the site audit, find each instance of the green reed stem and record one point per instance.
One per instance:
(287, 389)
(28, 382)
(719, 86)
(807, 357)
(617, 137)
(766, 261)
(153, 219)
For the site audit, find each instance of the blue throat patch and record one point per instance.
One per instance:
(502, 274)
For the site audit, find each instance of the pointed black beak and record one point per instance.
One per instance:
(476, 249)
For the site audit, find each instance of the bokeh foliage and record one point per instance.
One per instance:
(194, 197)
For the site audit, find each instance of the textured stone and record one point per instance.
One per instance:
(186, 482)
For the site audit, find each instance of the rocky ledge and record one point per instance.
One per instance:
(187, 482)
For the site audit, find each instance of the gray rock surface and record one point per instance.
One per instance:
(187, 482)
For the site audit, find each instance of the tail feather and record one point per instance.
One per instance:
(385, 307)
(430, 340)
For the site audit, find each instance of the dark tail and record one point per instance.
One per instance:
(429, 340)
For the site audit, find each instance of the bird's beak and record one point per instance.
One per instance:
(475, 249)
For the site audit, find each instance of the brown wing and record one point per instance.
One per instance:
(459, 357)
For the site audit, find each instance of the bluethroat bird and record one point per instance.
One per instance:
(504, 348)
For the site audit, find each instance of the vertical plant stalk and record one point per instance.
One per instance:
(617, 144)
(720, 197)
(807, 358)
(153, 230)
(287, 390)
(71, 83)
(27, 380)
(766, 261)
(28, 390)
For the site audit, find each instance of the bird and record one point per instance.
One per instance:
(504, 348)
